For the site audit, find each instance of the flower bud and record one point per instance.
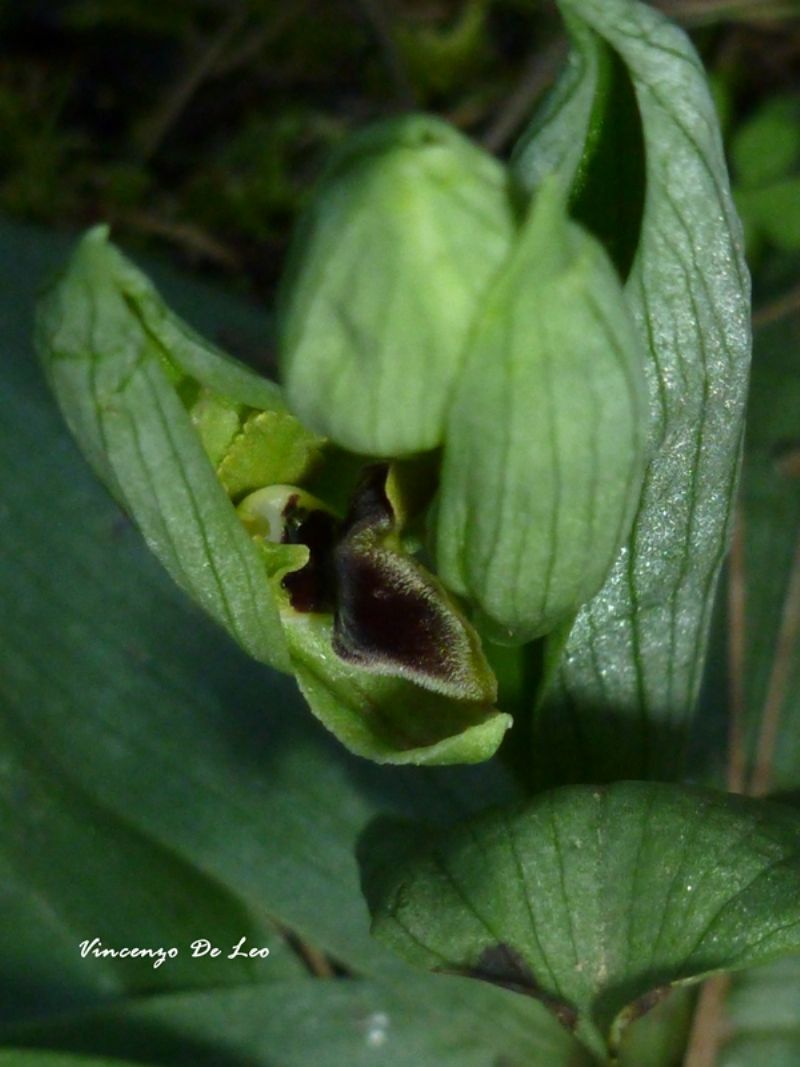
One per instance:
(391, 261)
(546, 438)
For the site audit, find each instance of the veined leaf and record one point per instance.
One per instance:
(112, 352)
(398, 247)
(547, 433)
(599, 899)
(633, 662)
(151, 407)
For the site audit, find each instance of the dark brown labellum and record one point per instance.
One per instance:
(392, 616)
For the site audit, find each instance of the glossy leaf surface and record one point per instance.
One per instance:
(632, 665)
(597, 900)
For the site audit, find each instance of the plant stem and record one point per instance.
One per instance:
(778, 682)
(736, 655)
(707, 1026)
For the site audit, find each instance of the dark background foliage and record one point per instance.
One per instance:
(200, 127)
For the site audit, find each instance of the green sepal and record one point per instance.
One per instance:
(122, 366)
(631, 669)
(396, 251)
(547, 435)
(217, 421)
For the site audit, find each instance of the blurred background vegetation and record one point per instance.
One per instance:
(198, 128)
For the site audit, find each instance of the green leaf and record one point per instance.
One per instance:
(594, 94)
(144, 736)
(387, 268)
(20, 1058)
(330, 1023)
(112, 353)
(547, 435)
(69, 894)
(598, 899)
(153, 412)
(633, 662)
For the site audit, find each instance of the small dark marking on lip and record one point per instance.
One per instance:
(310, 589)
(370, 507)
(503, 966)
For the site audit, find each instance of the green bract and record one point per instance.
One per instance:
(546, 438)
(387, 270)
(119, 362)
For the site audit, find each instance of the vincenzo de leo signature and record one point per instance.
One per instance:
(197, 949)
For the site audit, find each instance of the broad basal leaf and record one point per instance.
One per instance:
(21, 1058)
(345, 1023)
(633, 662)
(597, 900)
(80, 882)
